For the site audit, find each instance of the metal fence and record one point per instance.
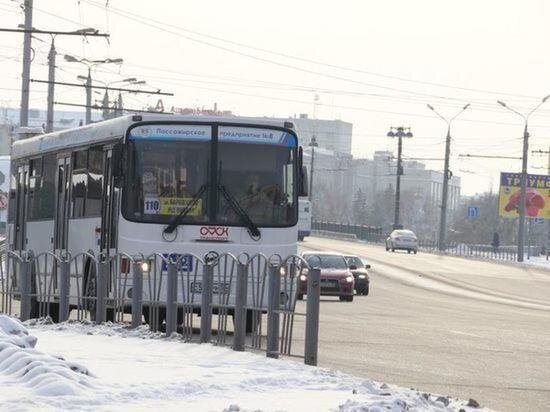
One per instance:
(176, 294)
(362, 232)
(376, 235)
(472, 250)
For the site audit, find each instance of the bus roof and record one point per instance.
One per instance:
(116, 128)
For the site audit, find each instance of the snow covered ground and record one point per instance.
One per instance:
(84, 367)
(539, 261)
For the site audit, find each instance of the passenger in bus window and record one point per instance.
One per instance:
(149, 183)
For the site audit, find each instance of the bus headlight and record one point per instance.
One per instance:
(145, 266)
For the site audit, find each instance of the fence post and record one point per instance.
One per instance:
(101, 289)
(241, 291)
(273, 312)
(137, 294)
(64, 289)
(206, 303)
(312, 317)
(171, 299)
(25, 288)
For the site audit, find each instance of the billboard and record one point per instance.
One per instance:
(537, 199)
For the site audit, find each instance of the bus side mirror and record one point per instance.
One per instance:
(302, 175)
(303, 182)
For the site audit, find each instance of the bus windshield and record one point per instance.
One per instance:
(163, 178)
(254, 178)
(260, 178)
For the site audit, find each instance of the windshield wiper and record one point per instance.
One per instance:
(251, 226)
(177, 220)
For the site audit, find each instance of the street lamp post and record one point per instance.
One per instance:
(399, 132)
(523, 188)
(117, 111)
(446, 176)
(313, 144)
(89, 64)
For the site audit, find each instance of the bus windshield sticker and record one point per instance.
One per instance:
(170, 206)
(256, 135)
(170, 132)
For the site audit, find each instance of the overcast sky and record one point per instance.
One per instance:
(372, 63)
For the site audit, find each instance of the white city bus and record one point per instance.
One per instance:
(304, 218)
(156, 183)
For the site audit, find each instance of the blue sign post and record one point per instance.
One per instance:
(473, 211)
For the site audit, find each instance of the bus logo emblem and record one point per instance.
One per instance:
(214, 233)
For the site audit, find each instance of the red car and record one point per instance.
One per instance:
(336, 277)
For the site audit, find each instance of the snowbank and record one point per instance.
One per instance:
(27, 371)
(140, 370)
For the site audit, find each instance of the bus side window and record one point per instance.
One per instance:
(94, 190)
(80, 182)
(35, 183)
(13, 188)
(47, 189)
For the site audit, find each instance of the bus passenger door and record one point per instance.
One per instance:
(63, 203)
(21, 202)
(109, 214)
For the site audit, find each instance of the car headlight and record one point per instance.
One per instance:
(303, 278)
(362, 276)
(349, 279)
(282, 271)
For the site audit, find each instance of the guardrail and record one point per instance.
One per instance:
(375, 235)
(169, 293)
(506, 253)
(362, 232)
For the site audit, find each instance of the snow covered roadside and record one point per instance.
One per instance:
(139, 370)
(539, 261)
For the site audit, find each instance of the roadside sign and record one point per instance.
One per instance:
(473, 211)
(536, 197)
(538, 220)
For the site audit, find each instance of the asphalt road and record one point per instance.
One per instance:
(443, 325)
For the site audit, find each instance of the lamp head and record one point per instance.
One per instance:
(430, 107)
(70, 58)
(466, 106)
(501, 103)
(87, 30)
(546, 98)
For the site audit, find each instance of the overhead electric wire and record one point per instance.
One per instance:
(147, 22)
(135, 17)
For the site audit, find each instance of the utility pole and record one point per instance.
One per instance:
(89, 96)
(446, 177)
(399, 132)
(523, 189)
(25, 77)
(28, 31)
(119, 106)
(51, 85)
(313, 144)
(106, 110)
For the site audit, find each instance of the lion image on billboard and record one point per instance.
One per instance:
(537, 195)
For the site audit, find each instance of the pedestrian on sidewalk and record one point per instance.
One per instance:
(496, 242)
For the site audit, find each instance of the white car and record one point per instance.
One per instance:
(402, 240)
